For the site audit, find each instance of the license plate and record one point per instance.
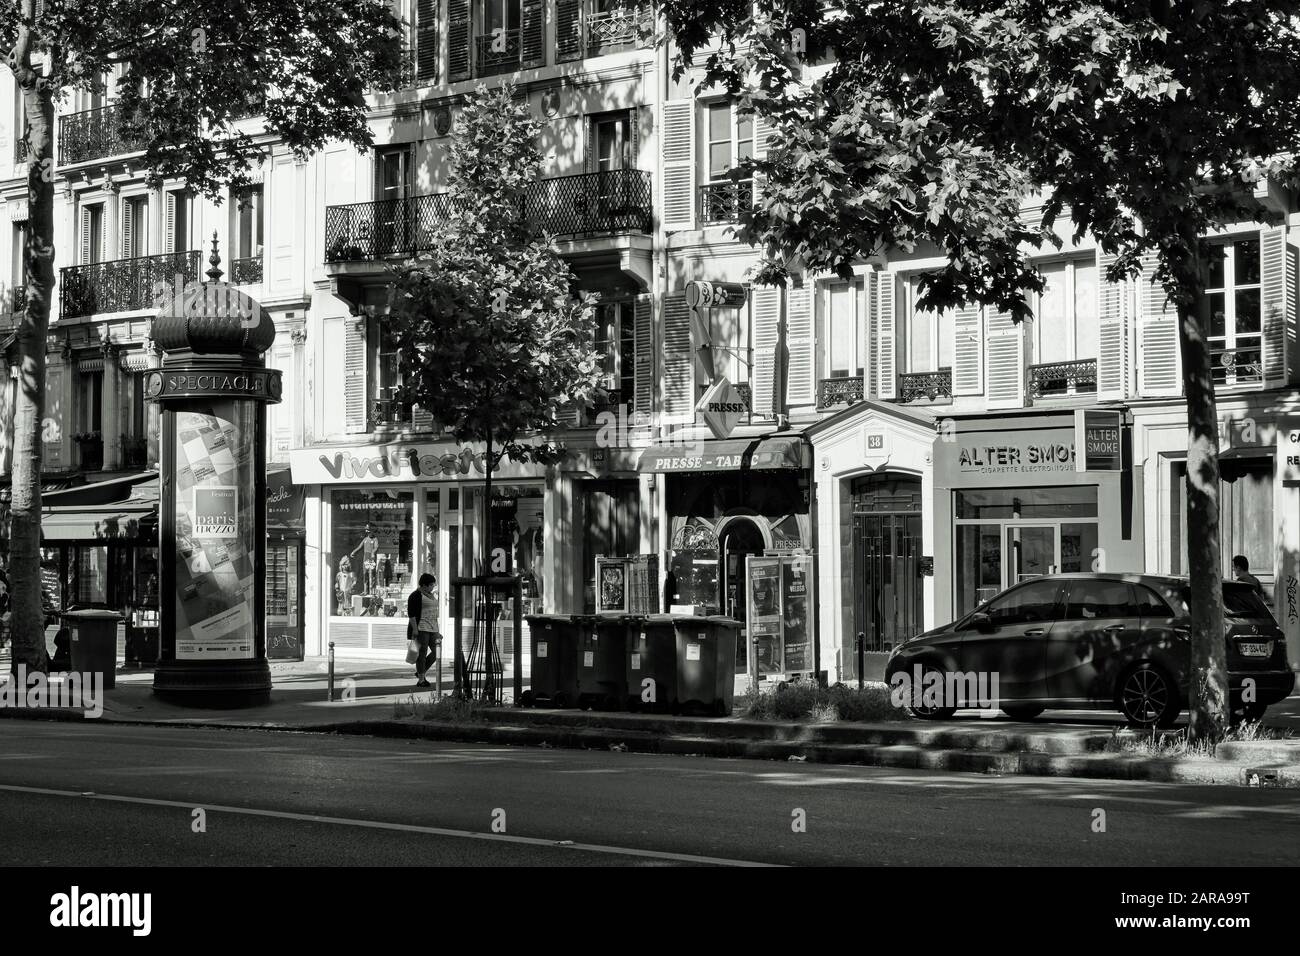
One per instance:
(1255, 649)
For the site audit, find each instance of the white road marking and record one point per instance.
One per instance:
(380, 825)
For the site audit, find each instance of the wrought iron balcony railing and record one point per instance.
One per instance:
(499, 52)
(20, 149)
(1243, 365)
(94, 134)
(615, 200)
(839, 391)
(122, 285)
(925, 386)
(610, 31)
(725, 201)
(18, 299)
(585, 204)
(246, 271)
(389, 411)
(1056, 379)
(135, 452)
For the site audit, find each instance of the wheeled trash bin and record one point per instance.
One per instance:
(706, 663)
(93, 643)
(602, 672)
(554, 678)
(652, 664)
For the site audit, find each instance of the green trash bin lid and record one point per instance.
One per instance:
(94, 614)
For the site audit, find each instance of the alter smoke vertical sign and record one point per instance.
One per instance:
(1099, 440)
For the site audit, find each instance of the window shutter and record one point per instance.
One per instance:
(169, 227)
(128, 229)
(884, 321)
(801, 384)
(459, 40)
(1277, 295)
(1112, 333)
(355, 387)
(968, 350)
(865, 291)
(679, 363)
(1005, 348)
(85, 234)
(532, 23)
(1159, 364)
(765, 327)
(677, 151)
(643, 372)
(568, 30)
(426, 40)
(589, 144)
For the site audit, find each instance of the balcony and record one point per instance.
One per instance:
(122, 285)
(90, 448)
(20, 150)
(135, 453)
(499, 52)
(726, 201)
(1243, 366)
(1061, 379)
(19, 299)
(925, 386)
(246, 271)
(612, 31)
(93, 134)
(839, 391)
(585, 204)
(389, 412)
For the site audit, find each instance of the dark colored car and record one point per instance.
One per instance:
(1096, 641)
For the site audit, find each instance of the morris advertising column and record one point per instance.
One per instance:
(213, 389)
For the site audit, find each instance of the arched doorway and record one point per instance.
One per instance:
(888, 600)
(739, 538)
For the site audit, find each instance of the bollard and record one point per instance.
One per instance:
(862, 647)
(330, 698)
(437, 666)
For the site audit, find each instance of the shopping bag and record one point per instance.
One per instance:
(412, 651)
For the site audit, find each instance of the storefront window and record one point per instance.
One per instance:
(1245, 516)
(92, 575)
(518, 541)
(1008, 535)
(372, 551)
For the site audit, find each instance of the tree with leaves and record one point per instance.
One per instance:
(1145, 123)
(187, 72)
(491, 340)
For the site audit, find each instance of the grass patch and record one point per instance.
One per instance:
(455, 710)
(806, 701)
(1173, 744)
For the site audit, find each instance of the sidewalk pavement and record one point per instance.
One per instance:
(369, 695)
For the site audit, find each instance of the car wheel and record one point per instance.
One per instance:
(925, 712)
(1022, 711)
(1147, 697)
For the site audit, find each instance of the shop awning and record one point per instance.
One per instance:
(93, 525)
(777, 453)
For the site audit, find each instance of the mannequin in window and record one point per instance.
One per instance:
(369, 547)
(344, 583)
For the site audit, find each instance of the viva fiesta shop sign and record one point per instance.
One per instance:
(388, 463)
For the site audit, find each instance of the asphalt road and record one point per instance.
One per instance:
(81, 794)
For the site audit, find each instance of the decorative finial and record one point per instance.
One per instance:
(215, 259)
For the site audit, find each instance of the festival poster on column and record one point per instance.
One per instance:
(215, 525)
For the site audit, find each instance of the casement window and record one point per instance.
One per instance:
(929, 336)
(843, 330)
(135, 227)
(90, 397)
(246, 224)
(1065, 312)
(728, 141)
(587, 28)
(176, 221)
(503, 35)
(616, 345)
(610, 146)
(92, 233)
(20, 123)
(1232, 310)
(393, 187)
(18, 267)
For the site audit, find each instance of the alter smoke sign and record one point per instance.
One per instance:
(1099, 440)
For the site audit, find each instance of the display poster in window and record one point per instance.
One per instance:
(796, 575)
(611, 585)
(763, 613)
(215, 528)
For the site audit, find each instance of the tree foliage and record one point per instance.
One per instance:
(1144, 123)
(188, 71)
(492, 343)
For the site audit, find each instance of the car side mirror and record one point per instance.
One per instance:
(981, 621)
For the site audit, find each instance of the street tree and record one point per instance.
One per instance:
(185, 73)
(1145, 123)
(491, 341)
